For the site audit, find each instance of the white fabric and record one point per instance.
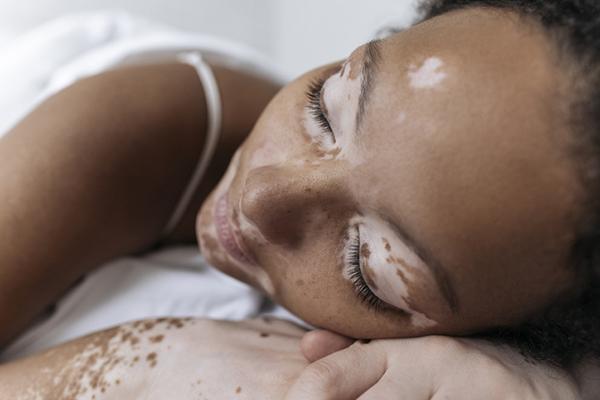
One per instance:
(65, 50)
(174, 282)
(170, 282)
(213, 132)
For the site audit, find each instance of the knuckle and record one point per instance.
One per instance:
(492, 368)
(324, 373)
(499, 376)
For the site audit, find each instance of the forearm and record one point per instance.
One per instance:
(163, 359)
(118, 363)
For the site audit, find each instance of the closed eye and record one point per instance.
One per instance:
(314, 97)
(353, 265)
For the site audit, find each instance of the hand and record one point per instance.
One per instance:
(255, 359)
(165, 359)
(428, 368)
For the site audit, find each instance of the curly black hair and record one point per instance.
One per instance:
(566, 333)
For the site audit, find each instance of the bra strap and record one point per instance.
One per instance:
(214, 108)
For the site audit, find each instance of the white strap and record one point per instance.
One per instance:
(213, 104)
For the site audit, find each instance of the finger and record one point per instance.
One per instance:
(399, 386)
(280, 336)
(272, 325)
(320, 343)
(343, 375)
(416, 369)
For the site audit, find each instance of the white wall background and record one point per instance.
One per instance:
(298, 34)
(312, 32)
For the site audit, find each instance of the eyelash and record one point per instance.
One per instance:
(363, 290)
(313, 97)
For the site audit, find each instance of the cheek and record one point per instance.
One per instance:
(311, 284)
(327, 301)
(279, 136)
(309, 269)
(266, 152)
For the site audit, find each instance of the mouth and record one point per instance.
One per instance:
(229, 235)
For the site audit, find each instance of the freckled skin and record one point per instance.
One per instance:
(157, 338)
(399, 261)
(93, 367)
(464, 172)
(380, 272)
(207, 359)
(364, 250)
(401, 275)
(386, 243)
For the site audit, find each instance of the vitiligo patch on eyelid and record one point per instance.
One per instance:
(340, 94)
(389, 266)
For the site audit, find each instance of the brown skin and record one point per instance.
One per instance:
(136, 132)
(165, 358)
(478, 173)
(158, 107)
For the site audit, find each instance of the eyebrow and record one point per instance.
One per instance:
(436, 268)
(371, 59)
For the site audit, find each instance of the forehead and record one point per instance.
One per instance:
(467, 91)
(465, 141)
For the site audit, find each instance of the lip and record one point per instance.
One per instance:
(227, 235)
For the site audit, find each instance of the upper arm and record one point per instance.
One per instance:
(91, 174)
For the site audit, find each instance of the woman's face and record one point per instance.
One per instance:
(422, 186)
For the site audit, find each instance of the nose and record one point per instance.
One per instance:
(284, 202)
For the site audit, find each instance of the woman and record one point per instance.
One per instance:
(394, 194)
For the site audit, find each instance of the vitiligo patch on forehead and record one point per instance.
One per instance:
(428, 75)
(388, 266)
